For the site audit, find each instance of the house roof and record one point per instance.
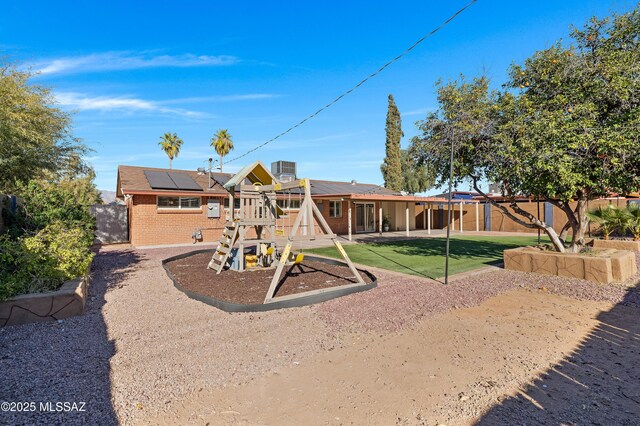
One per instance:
(326, 187)
(132, 180)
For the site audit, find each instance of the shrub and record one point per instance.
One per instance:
(44, 261)
(604, 217)
(633, 225)
(44, 203)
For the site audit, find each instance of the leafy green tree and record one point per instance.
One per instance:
(415, 177)
(223, 144)
(170, 143)
(565, 126)
(35, 136)
(392, 166)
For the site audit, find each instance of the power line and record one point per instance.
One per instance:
(409, 49)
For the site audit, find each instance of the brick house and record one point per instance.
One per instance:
(174, 206)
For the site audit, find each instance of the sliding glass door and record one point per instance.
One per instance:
(365, 217)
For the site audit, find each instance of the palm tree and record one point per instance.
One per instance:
(633, 225)
(170, 144)
(222, 143)
(610, 218)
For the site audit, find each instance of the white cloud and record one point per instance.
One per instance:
(421, 111)
(222, 98)
(112, 61)
(118, 103)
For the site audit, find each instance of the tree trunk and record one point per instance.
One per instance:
(580, 226)
(170, 160)
(533, 222)
(220, 163)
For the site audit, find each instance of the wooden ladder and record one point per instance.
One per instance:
(228, 238)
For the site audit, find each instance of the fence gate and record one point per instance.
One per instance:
(112, 223)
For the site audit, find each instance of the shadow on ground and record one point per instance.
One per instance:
(599, 383)
(66, 361)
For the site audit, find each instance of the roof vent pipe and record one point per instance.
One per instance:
(353, 182)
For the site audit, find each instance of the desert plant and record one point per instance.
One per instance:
(633, 223)
(610, 218)
(42, 262)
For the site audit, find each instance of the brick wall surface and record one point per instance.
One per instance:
(152, 226)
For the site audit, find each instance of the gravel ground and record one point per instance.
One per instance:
(143, 344)
(401, 300)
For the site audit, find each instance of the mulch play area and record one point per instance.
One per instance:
(250, 287)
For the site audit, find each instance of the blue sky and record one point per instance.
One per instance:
(131, 71)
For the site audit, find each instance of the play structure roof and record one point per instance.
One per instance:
(254, 173)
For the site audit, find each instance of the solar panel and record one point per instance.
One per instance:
(159, 180)
(184, 181)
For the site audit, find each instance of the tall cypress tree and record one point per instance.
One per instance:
(392, 166)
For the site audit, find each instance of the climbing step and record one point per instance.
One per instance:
(221, 254)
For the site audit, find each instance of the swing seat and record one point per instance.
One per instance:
(279, 232)
(299, 259)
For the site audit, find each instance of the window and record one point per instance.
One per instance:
(335, 208)
(179, 203)
(289, 204)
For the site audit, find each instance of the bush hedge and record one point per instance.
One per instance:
(47, 241)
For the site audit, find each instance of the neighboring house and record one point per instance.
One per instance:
(171, 206)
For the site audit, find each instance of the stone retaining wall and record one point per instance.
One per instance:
(603, 266)
(66, 302)
(615, 244)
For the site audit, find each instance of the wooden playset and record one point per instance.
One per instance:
(256, 223)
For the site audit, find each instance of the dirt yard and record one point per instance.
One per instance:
(493, 348)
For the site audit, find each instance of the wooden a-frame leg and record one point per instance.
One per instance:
(327, 229)
(285, 254)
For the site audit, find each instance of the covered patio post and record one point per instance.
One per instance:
(407, 218)
(477, 219)
(349, 219)
(380, 218)
(461, 214)
(424, 216)
(429, 220)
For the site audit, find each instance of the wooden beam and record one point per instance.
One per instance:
(275, 187)
(285, 254)
(345, 256)
(307, 195)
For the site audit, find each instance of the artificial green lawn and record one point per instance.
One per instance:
(425, 257)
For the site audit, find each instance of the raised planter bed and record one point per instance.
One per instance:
(601, 266)
(68, 301)
(598, 243)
